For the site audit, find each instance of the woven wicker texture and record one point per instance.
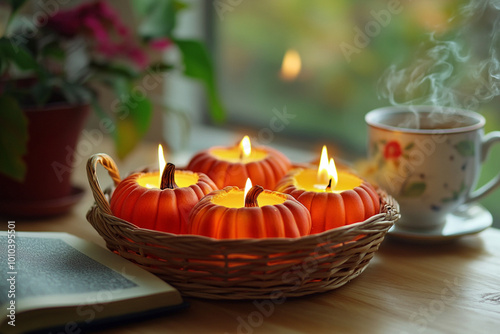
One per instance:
(244, 268)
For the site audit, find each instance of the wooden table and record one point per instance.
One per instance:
(407, 288)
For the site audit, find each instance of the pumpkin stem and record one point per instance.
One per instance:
(168, 177)
(251, 198)
(329, 186)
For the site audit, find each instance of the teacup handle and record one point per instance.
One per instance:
(488, 141)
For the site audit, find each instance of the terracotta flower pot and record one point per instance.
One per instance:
(53, 134)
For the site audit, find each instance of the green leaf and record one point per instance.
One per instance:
(180, 5)
(98, 110)
(126, 137)
(217, 111)
(75, 93)
(13, 138)
(409, 146)
(198, 65)
(159, 17)
(158, 67)
(144, 7)
(16, 4)
(41, 92)
(114, 70)
(53, 50)
(133, 121)
(18, 54)
(142, 114)
(109, 124)
(414, 189)
(466, 148)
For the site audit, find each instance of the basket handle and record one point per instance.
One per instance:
(107, 162)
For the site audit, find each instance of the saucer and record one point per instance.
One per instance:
(468, 219)
(41, 208)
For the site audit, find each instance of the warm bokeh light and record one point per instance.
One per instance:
(248, 186)
(291, 66)
(245, 147)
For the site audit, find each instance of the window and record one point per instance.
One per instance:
(347, 57)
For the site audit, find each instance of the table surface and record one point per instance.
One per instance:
(407, 288)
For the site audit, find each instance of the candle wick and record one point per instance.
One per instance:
(329, 186)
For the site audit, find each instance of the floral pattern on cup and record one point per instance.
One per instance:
(389, 155)
(392, 150)
(465, 148)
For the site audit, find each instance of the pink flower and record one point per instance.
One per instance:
(99, 23)
(160, 44)
(67, 23)
(137, 56)
(98, 31)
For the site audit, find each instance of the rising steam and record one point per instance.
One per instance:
(461, 72)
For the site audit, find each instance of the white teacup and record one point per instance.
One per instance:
(429, 158)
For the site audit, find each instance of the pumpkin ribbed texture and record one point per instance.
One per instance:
(329, 209)
(289, 219)
(164, 210)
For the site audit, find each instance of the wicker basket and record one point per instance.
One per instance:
(245, 268)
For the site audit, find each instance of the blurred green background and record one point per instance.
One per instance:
(439, 51)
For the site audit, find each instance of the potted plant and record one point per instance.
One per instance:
(52, 64)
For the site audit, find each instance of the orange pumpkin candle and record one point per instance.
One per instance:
(229, 213)
(160, 202)
(334, 198)
(231, 166)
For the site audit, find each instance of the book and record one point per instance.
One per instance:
(57, 282)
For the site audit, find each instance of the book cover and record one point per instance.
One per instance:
(53, 280)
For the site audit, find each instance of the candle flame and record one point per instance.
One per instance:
(248, 186)
(161, 167)
(161, 163)
(327, 170)
(245, 147)
(332, 173)
(290, 68)
(323, 176)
